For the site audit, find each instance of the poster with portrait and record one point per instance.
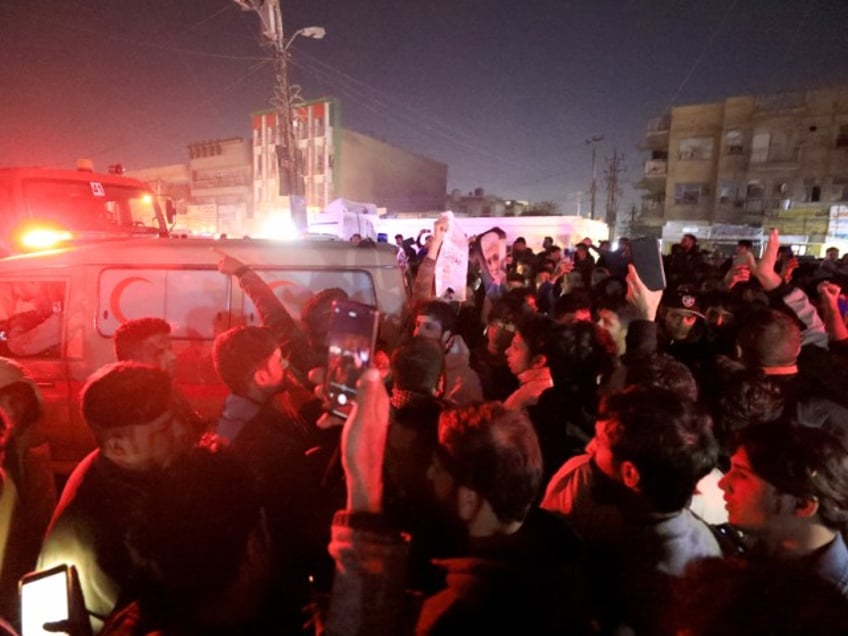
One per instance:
(491, 251)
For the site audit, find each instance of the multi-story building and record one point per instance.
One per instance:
(340, 163)
(748, 161)
(221, 195)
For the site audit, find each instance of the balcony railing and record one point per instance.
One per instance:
(761, 205)
(656, 168)
(225, 181)
(659, 124)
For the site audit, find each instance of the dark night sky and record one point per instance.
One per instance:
(505, 93)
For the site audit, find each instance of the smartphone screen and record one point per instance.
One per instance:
(353, 332)
(647, 260)
(45, 598)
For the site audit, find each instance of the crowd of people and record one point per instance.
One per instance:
(565, 451)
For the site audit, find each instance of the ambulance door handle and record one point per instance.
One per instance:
(45, 384)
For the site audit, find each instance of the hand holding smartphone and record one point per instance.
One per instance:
(647, 259)
(52, 598)
(351, 340)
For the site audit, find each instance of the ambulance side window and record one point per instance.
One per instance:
(31, 318)
(294, 288)
(195, 302)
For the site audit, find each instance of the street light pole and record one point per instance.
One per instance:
(289, 168)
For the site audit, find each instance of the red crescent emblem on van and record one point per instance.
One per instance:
(117, 292)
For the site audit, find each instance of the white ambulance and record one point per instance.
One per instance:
(59, 309)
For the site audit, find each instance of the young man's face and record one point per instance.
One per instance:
(427, 327)
(518, 355)
(678, 323)
(611, 323)
(157, 351)
(753, 504)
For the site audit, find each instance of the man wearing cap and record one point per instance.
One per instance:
(683, 329)
(130, 409)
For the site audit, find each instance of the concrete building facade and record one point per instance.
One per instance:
(750, 160)
(339, 163)
(221, 197)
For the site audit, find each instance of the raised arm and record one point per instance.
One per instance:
(368, 595)
(792, 297)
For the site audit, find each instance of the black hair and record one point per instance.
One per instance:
(130, 335)
(493, 451)
(666, 437)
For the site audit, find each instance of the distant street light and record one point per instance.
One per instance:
(314, 32)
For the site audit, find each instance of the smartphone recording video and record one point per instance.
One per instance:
(647, 259)
(351, 340)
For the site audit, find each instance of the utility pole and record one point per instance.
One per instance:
(614, 168)
(289, 164)
(593, 189)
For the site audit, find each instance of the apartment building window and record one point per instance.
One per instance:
(842, 137)
(689, 193)
(728, 192)
(733, 142)
(812, 191)
(696, 148)
(755, 190)
(760, 147)
(839, 189)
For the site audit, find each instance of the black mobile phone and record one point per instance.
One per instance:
(351, 340)
(647, 259)
(46, 597)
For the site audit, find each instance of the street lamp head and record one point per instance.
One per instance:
(315, 32)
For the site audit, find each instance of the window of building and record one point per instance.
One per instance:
(689, 193)
(733, 142)
(842, 137)
(728, 192)
(839, 189)
(696, 148)
(755, 190)
(760, 147)
(812, 191)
